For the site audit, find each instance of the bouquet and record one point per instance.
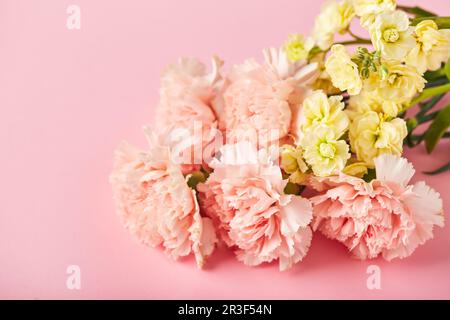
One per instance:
(309, 140)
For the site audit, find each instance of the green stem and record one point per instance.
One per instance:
(350, 42)
(417, 11)
(430, 92)
(442, 22)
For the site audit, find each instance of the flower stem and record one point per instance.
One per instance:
(356, 41)
(417, 11)
(429, 92)
(442, 22)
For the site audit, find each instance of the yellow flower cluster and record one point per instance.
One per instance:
(334, 17)
(392, 35)
(367, 10)
(379, 84)
(372, 134)
(293, 164)
(432, 47)
(323, 125)
(343, 71)
(297, 47)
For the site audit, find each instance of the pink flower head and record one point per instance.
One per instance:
(185, 109)
(156, 204)
(244, 197)
(264, 99)
(385, 216)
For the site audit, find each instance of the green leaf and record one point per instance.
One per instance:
(439, 170)
(437, 128)
(431, 76)
(424, 108)
(447, 69)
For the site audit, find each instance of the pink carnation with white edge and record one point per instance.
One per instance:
(386, 216)
(157, 206)
(185, 109)
(264, 98)
(244, 197)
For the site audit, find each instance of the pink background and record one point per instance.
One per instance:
(67, 99)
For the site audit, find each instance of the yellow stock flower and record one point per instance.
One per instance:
(399, 84)
(372, 134)
(324, 152)
(432, 47)
(371, 101)
(356, 169)
(297, 47)
(292, 163)
(292, 159)
(367, 10)
(343, 71)
(392, 35)
(323, 81)
(319, 109)
(334, 17)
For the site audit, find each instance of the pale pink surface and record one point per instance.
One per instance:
(69, 97)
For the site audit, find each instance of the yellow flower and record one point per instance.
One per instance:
(297, 47)
(392, 35)
(292, 163)
(371, 101)
(334, 17)
(372, 134)
(318, 108)
(299, 177)
(399, 83)
(369, 9)
(343, 71)
(356, 169)
(324, 152)
(323, 81)
(432, 47)
(292, 159)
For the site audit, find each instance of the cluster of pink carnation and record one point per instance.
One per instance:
(235, 193)
(384, 216)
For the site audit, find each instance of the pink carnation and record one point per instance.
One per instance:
(185, 109)
(157, 206)
(386, 216)
(264, 99)
(244, 197)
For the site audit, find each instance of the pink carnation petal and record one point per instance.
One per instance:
(390, 167)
